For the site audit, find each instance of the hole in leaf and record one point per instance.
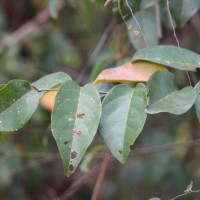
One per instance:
(120, 151)
(73, 154)
(71, 167)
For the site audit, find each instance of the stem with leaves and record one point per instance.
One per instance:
(184, 194)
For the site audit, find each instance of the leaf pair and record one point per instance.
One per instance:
(19, 100)
(75, 116)
(125, 109)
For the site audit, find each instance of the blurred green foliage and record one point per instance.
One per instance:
(30, 167)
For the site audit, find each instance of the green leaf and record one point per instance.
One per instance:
(135, 6)
(51, 81)
(75, 119)
(170, 56)
(52, 4)
(183, 10)
(165, 16)
(165, 97)
(18, 102)
(148, 3)
(147, 20)
(197, 101)
(123, 117)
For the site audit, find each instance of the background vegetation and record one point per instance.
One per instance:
(82, 41)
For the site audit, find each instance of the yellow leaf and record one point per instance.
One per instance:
(129, 72)
(47, 100)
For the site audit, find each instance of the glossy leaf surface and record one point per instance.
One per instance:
(165, 97)
(129, 72)
(75, 119)
(123, 117)
(18, 102)
(170, 56)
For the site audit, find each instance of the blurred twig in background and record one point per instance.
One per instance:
(29, 27)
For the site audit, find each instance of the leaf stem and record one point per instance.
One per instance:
(56, 89)
(184, 194)
(137, 23)
(177, 40)
(44, 89)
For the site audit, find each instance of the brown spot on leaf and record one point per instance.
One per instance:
(73, 154)
(81, 115)
(76, 132)
(71, 167)
(66, 142)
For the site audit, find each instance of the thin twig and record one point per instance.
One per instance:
(101, 176)
(121, 13)
(96, 51)
(136, 21)
(177, 40)
(158, 20)
(107, 2)
(56, 89)
(103, 92)
(29, 27)
(136, 151)
(44, 89)
(26, 154)
(77, 184)
(164, 147)
(184, 194)
(35, 163)
(51, 193)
